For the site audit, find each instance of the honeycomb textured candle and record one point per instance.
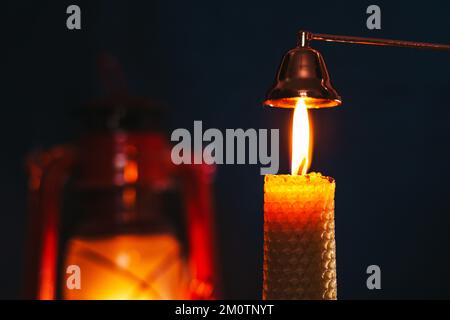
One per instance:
(299, 244)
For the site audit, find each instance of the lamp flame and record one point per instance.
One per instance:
(301, 140)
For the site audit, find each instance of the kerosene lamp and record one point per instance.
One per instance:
(113, 207)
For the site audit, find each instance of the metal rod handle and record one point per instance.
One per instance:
(305, 37)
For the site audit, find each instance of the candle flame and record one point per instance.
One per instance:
(301, 140)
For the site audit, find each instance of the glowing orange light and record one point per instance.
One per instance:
(301, 140)
(130, 173)
(125, 267)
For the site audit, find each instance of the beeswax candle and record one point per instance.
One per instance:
(299, 244)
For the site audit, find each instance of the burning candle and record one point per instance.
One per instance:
(299, 243)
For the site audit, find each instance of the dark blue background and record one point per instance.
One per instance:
(387, 146)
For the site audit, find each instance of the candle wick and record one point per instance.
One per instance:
(300, 168)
